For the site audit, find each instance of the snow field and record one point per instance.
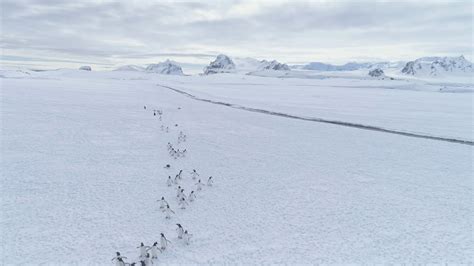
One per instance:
(82, 168)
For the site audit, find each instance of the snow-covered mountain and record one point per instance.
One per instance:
(273, 65)
(130, 68)
(249, 64)
(319, 66)
(168, 68)
(377, 73)
(438, 66)
(222, 64)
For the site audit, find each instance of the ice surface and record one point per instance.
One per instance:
(436, 108)
(82, 168)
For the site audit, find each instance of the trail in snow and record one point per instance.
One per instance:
(322, 120)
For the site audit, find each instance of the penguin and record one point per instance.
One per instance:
(119, 259)
(194, 174)
(148, 260)
(199, 185)
(182, 203)
(163, 202)
(210, 181)
(143, 250)
(164, 242)
(180, 231)
(187, 237)
(192, 196)
(154, 250)
(168, 211)
(181, 194)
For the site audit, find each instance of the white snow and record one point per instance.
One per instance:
(82, 168)
(440, 109)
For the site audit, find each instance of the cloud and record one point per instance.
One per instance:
(130, 31)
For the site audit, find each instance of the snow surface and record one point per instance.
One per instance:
(82, 168)
(438, 109)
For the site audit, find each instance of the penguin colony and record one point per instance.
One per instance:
(149, 254)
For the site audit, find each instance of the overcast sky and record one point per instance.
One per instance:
(109, 33)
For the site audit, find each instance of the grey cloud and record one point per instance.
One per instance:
(113, 30)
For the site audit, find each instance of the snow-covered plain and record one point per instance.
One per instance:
(439, 109)
(82, 168)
